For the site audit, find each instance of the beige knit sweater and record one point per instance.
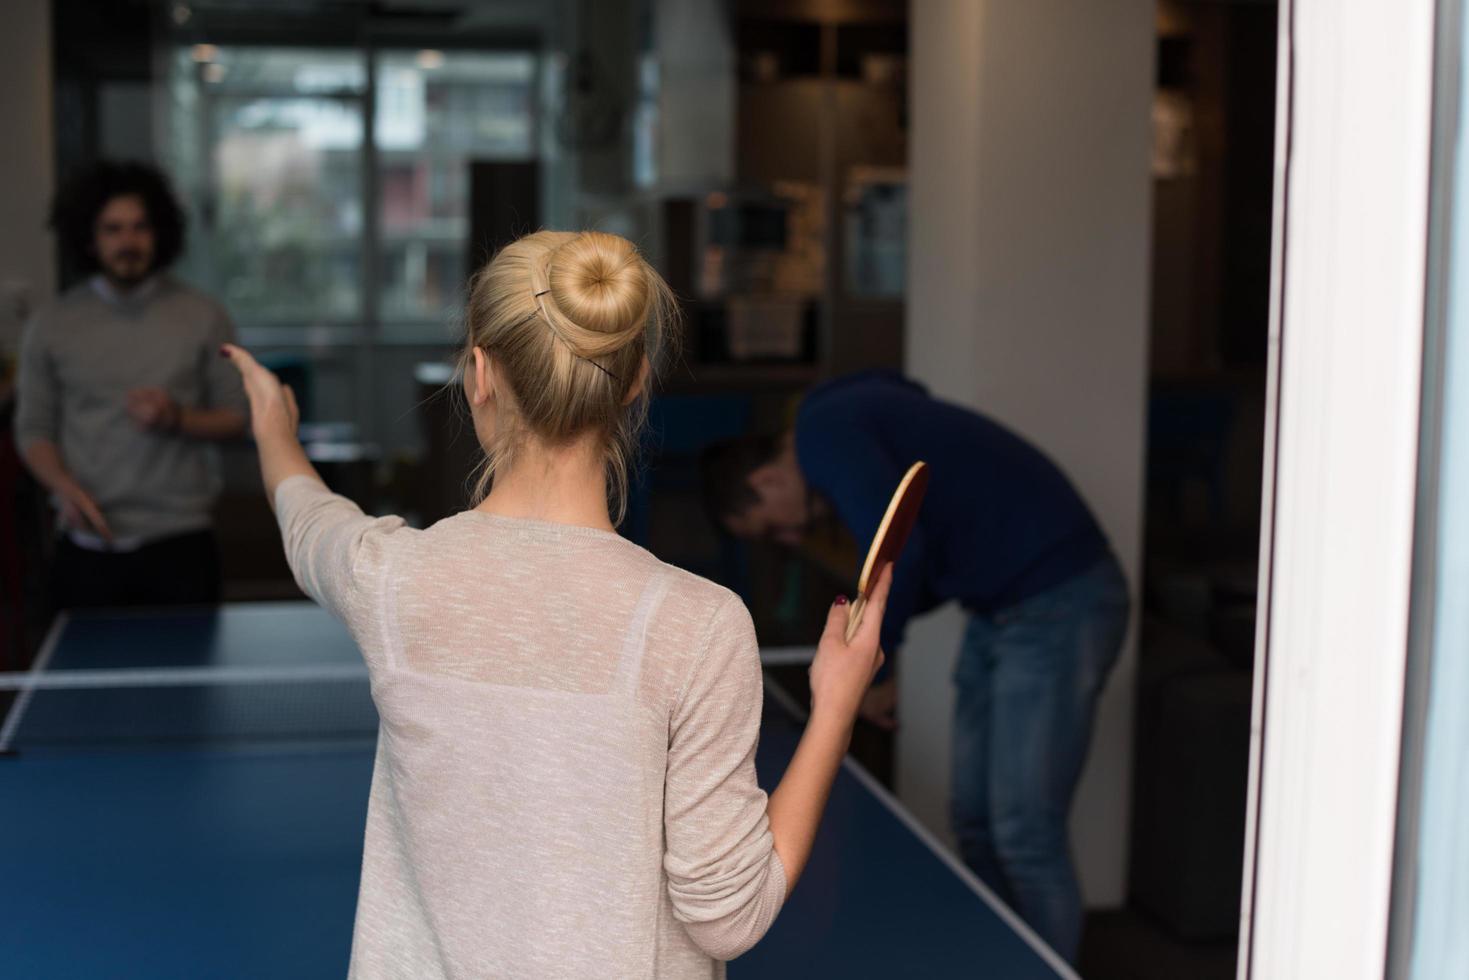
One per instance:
(565, 778)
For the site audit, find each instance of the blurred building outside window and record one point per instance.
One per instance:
(268, 146)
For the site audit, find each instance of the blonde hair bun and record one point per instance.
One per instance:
(597, 282)
(569, 319)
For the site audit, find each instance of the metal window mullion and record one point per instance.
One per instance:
(208, 186)
(370, 333)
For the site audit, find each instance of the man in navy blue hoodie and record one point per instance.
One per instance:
(1003, 533)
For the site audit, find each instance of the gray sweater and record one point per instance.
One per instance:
(80, 357)
(565, 778)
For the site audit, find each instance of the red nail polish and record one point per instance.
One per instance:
(841, 600)
(224, 351)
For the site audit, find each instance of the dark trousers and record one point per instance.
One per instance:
(179, 570)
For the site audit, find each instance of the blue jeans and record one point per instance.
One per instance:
(1028, 680)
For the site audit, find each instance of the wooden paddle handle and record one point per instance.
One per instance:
(854, 616)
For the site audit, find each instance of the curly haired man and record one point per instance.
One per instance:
(121, 392)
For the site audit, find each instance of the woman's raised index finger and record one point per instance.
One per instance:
(238, 356)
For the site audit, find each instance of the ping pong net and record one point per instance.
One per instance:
(216, 706)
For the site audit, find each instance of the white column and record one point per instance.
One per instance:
(1027, 299)
(1346, 341)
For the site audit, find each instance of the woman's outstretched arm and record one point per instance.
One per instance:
(273, 420)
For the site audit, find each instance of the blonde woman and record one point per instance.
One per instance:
(565, 780)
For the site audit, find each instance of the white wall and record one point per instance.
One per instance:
(27, 273)
(1027, 299)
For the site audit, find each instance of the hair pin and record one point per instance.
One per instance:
(557, 334)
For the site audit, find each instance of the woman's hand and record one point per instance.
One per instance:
(842, 671)
(273, 420)
(273, 411)
(840, 675)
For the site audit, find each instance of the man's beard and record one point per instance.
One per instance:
(128, 269)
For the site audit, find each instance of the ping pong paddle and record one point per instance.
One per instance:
(892, 534)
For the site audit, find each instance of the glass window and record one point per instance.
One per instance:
(266, 146)
(437, 112)
(1431, 876)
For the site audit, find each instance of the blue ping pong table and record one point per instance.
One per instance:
(181, 822)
